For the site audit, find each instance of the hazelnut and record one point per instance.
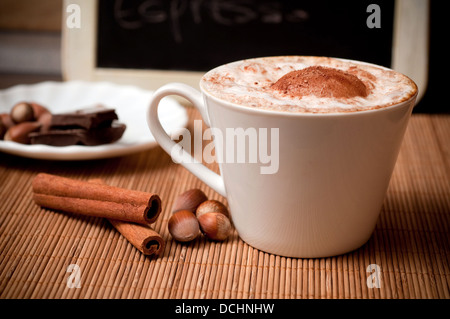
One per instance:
(211, 206)
(189, 200)
(5, 123)
(215, 226)
(184, 226)
(46, 121)
(22, 112)
(3, 129)
(5, 118)
(19, 132)
(38, 110)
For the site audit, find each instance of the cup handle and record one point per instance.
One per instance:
(206, 175)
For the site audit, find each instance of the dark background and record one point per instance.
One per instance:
(434, 100)
(187, 35)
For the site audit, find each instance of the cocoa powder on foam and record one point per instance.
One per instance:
(321, 82)
(302, 84)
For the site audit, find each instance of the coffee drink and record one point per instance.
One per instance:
(301, 84)
(335, 127)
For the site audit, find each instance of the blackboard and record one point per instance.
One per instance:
(197, 35)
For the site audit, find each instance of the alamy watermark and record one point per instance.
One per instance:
(74, 279)
(374, 279)
(234, 145)
(73, 20)
(374, 19)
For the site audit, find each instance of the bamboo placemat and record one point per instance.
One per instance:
(410, 244)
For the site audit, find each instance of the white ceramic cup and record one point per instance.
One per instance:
(333, 174)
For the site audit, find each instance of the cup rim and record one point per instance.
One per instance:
(254, 110)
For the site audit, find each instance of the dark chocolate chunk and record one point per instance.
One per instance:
(85, 118)
(79, 136)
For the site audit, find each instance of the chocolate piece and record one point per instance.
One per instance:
(85, 118)
(79, 136)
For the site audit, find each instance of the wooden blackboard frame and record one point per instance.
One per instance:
(409, 51)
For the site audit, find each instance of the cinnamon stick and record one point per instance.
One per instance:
(94, 199)
(143, 237)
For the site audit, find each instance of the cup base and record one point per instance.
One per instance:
(290, 252)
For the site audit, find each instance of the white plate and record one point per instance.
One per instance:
(129, 102)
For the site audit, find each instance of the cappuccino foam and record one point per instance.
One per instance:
(301, 84)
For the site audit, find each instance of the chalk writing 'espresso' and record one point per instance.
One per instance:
(227, 13)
